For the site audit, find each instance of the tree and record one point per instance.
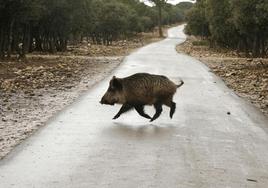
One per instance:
(159, 4)
(222, 30)
(197, 20)
(183, 8)
(49, 25)
(250, 19)
(240, 25)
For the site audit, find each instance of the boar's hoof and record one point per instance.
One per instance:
(115, 117)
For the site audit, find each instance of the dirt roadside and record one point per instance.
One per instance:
(246, 76)
(32, 91)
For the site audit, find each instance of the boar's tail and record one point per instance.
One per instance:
(182, 82)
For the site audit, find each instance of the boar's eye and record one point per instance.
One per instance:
(111, 89)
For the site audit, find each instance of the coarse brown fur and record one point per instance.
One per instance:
(141, 89)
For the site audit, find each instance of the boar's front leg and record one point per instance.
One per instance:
(158, 111)
(140, 110)
(123, 109)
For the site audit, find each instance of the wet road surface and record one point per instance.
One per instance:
(201, 147)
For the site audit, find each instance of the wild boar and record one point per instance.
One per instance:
(139, 90)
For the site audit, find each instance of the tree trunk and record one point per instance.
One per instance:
(5, 41)
(160, 20)
(1, 43)
(246, 46)
(16, 39)
(38, 42)
(256, 46)
(10, 38)
(26, 41)
(31, 42)
(263, 53)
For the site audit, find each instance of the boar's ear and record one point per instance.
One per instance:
(116, 83)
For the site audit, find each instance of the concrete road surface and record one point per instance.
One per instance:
(202, 147)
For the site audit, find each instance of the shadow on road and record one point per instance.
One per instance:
(146, 131)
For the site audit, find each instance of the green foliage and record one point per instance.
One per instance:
(183, 8)
(237, 24)
(197, 21)
(48, 25)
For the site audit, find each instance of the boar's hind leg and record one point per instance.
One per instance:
(140, 110)
(172, 109)
(171, 105)
(158, 111)
(123, 109)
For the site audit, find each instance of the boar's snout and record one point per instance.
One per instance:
(104, 101)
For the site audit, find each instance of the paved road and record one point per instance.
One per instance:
(201, 147)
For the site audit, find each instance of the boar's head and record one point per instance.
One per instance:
(114, 94)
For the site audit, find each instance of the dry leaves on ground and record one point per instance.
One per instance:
(246, 76)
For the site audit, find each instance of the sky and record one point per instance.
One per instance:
(173, 1)
(178, 1)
